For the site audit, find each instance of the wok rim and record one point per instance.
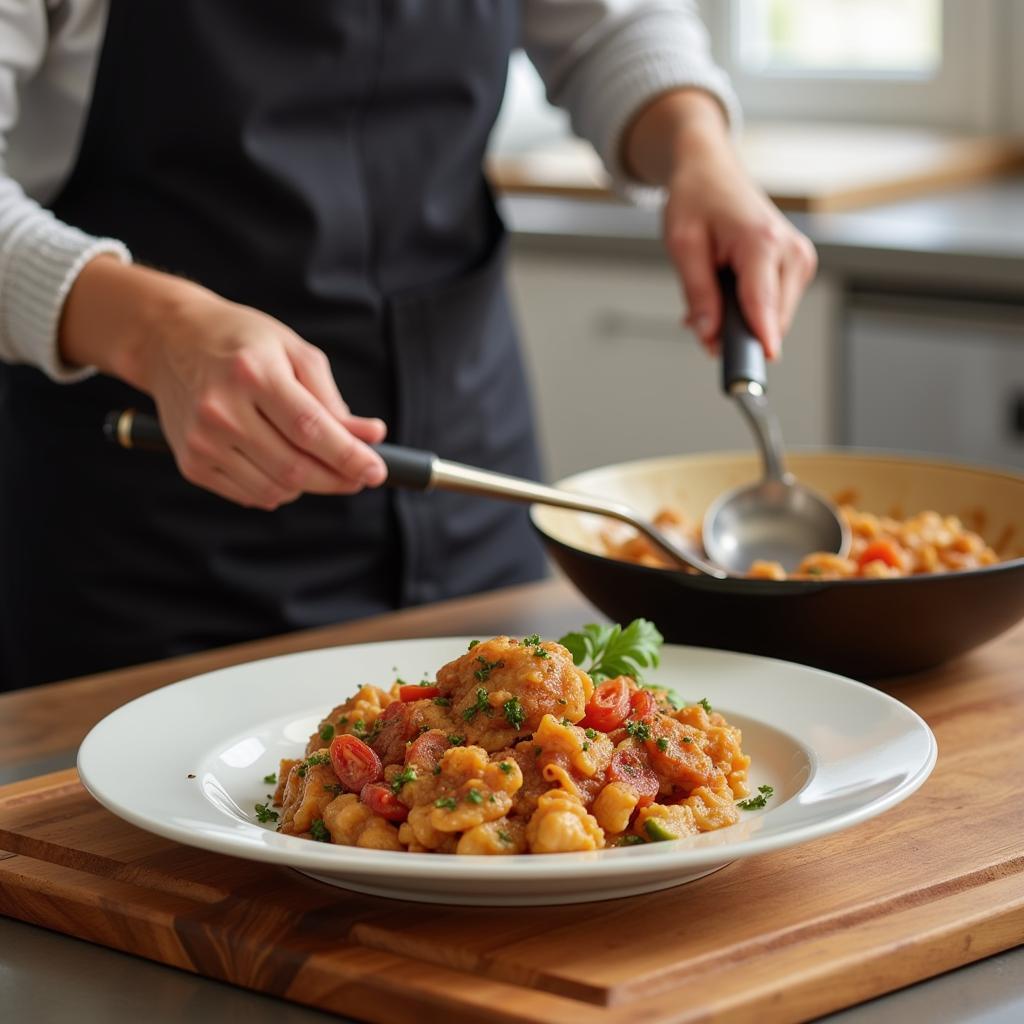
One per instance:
(744, 583)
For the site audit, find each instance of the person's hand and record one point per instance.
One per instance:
(250, 410)
(716, 216)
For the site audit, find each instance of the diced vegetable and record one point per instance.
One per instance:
(608, 707)
(408, 693)
(379, 798)
(427, 750)
(629, 767)
(643, 704)
(355, 763)
(882, 550)
(657, 832)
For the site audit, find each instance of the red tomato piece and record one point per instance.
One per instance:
(629, 767)
(379, 798)
(418, 692)
(354, 762)
(608, 707)
(643, 703)
(427, 750)
(882, 550)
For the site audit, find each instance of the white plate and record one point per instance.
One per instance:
(187, 762)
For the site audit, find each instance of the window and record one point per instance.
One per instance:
(939, 63)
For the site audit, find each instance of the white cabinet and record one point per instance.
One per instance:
(938, 376)
(617, 377)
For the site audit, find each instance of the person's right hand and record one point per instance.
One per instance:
(250, 410)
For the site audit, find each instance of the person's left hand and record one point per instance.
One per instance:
(716, 216)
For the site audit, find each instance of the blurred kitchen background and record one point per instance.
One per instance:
(892, 132)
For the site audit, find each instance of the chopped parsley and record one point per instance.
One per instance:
(630, 840)
(539, 652)
(424, 682)
(687, 739)
(327, 733)
(474, 796)
(318, 830)
(663, 744)
(270, 779)
(265, 814)
(532, 640)
(448, 803)
(566, 722)
(591, 734)
(343, 720)
(456, 741)
(359, 725)
(504, 836)
(482, 704)
(586, 745)
(443, 702)
(334, 787)
(755, 803)
(484, 671)
(404, 776)
(514, 713)
(472, 644)
(705, 704)
(311, 761)
(638, 730)
(505, 767)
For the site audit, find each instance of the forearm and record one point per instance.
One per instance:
(675, 127)
(114, 310)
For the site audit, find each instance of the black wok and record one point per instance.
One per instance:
(866, 628)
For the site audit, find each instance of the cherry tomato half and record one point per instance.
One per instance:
(427, 750)
(630, 768)
(881, 550)
(643, 704)
(379, 798)
(354, 762)
(608, 707)
(418, 692)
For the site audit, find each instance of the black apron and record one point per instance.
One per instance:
(321, 162)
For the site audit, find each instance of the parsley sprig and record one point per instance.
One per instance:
(605, 652)
(755, 803)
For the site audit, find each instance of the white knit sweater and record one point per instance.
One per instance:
(600, 59)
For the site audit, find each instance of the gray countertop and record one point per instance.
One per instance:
(970, 237)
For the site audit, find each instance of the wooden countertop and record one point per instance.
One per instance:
(934, 883)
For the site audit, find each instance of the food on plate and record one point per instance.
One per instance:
(520, 745)
(880, 547)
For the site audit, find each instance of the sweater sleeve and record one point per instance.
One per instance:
(40, 256)
(604, 60)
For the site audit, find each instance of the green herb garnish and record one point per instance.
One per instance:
(630, 840)
(404, 776)
(483, 673)
(265, 814)
(318, 830)
(687, 739)
(311, 761)
(532, 640)
(472, 644)
(504, 836)
(327, 733)
(663, 744)
(638, 730)
(482, 704)
(456, 741)
(605, 652)
(359, 725)
(755, 803)
(443, 702)
(448, 803)
(474, 796)
(514, 713)
(705, 704)
(591, 734)
(505, 767)
(271, 779)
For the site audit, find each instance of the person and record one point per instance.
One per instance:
(269, 224)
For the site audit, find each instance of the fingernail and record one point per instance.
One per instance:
(375, 474)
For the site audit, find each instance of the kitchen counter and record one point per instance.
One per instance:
(970, 238)
(45, 976)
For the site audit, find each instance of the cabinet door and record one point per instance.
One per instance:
(946, 379)
(617, 377)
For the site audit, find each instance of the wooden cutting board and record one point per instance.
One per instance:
(934, 883)
(803, 166)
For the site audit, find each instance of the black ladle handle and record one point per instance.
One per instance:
(742, 354)
(424, 471)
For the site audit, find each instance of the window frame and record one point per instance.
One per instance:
(964, 94)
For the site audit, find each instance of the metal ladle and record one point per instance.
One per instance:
(776, 519)
(421, 470)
